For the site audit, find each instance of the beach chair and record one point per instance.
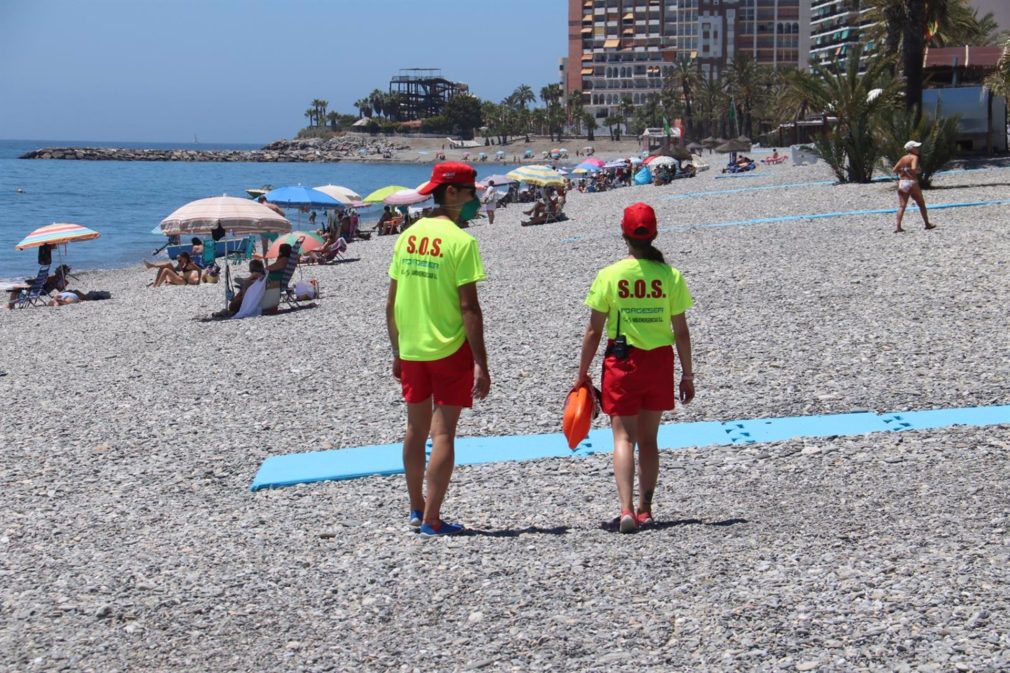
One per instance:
(35, 294)
(555, 213)
(272, 296)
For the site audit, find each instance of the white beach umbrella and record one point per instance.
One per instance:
(343, 194)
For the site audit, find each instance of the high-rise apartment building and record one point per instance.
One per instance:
(624, 48)
(836, 26)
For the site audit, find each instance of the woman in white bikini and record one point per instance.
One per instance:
(907, 170)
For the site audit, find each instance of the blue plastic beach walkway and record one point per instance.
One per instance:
(385, 459)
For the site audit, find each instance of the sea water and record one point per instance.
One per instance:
(125, 200)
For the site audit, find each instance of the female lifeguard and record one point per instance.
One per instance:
(641, 300)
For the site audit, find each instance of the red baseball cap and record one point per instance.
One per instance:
(448, 173)
(639, 222)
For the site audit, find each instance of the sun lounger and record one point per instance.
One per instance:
(35, 294)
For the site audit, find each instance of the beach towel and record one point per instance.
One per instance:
(252, 300)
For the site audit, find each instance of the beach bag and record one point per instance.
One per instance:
(304, 290)
(96, 295)
(643, 177)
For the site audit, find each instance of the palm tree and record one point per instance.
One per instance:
(913, 46)
(552, 95)
(589, 121)
(909, 26)
(744, 84)
(792, 101)
(614, 122)
(523, 96)
(627, 107)
(310, 114)
(574, 103)
(377, 99)
(850, 148)
(999, 82)
(333, 118)
(320, 106)
(364, 107)
(686, 76)
(712, 100)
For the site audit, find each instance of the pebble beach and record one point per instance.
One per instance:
(131, 432)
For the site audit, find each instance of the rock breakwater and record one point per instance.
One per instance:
(299, 150)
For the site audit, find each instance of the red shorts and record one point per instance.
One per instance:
(642, 381)
(449, 380)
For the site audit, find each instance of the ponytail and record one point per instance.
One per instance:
(644, 249)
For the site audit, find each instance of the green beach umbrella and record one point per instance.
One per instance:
(383, 193)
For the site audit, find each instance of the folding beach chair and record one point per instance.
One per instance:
(272, 296)
(33, 296)
(555, 213)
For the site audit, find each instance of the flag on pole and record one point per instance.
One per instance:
(666, 127)
(731, 117)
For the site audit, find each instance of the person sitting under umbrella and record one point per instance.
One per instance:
(185, 272)
(57, 281)
(256, 271)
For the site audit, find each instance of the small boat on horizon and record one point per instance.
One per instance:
(256, 193)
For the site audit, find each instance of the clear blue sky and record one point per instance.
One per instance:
(246, 70)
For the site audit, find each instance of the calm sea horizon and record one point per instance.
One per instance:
(125, 200)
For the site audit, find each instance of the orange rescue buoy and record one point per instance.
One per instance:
(581, 407)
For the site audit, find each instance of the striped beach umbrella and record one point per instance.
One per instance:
(57, 234)
(541, 176)
(310, 241)
(241, 216)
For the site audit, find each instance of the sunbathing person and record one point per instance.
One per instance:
(331, 249)
(57, 281)
(67, 297)
(185, 272)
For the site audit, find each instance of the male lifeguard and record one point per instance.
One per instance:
(436, 330)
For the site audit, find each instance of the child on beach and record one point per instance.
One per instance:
(641, 300)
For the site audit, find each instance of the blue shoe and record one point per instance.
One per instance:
(416, 516)
(444, 528)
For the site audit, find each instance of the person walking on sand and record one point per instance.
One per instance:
(490, 201)
(907, 170)
(436, 330)
(641, 300)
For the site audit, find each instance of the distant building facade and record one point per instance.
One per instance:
(836, 27)
(625, 48)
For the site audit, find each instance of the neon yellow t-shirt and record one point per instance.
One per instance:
(647, 295)
(431, 260)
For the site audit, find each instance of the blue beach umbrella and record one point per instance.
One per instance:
(299, 197)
